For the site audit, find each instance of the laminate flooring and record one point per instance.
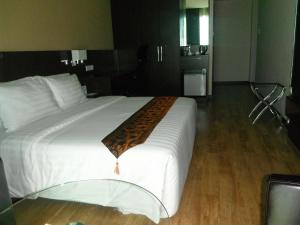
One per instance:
(231, 159)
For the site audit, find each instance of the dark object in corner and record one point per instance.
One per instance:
(293, 113)
(282, 204)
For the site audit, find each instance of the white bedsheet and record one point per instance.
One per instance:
(67, 147)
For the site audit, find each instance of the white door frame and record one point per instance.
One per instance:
(211, 49)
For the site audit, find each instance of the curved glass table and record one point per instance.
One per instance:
(89, 202)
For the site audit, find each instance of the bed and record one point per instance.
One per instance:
(64, 145)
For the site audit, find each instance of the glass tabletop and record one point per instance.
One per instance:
(89, 202)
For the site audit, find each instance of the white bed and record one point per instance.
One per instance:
(66, 146)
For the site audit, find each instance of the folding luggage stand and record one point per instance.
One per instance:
(266, 101)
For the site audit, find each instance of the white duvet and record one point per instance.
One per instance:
(67, 147)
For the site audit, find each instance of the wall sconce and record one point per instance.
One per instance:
(78, 56)
(64, 57)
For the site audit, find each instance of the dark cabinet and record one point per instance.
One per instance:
(293, 101)
(296, 64)
(160, 33)
(125, 26)
(293, 113)
(155, 34)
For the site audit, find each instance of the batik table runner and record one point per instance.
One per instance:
(136, 129)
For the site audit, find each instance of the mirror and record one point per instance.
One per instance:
(194, 26)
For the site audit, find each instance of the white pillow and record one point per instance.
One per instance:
(55, 76)
(22, 103)
(14, 82)
(19, 81)
(66, 90)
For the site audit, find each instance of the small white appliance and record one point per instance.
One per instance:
(195, 83)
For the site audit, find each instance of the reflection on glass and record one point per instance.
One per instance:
(203, 26)
(101, 202)
(182, 25)
(194, 27)
(197, 27)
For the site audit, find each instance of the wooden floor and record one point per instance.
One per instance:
(231, 158)
(52, 212)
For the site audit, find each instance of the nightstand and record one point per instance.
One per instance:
(97, 85)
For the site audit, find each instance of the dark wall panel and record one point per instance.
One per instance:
(14, 65)
(21, 64)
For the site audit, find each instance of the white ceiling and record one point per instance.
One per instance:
(196, 3)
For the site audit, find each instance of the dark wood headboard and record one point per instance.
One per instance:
(14, 65)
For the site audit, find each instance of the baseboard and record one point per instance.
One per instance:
(231, 82)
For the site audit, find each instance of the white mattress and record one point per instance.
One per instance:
(67, 147)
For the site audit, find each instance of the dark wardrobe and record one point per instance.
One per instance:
(296, 67)
(293, 101)
(151, 29)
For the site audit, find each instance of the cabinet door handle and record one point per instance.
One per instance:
(157, 48)
(161, 53)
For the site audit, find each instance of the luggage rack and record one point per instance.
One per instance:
(267, 100)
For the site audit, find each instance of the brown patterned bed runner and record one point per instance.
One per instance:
(136, 129)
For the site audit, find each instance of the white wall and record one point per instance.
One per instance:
(276, 37)
(275, 43)
(232, 40)
(253, 48)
